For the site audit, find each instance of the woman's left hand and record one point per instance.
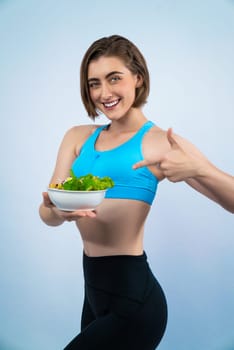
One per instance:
(182, 161)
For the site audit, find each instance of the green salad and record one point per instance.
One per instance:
(87, 182)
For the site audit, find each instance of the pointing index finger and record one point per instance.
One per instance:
(140, 164)
(146, 163)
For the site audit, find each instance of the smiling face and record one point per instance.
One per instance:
(112, 86)
(126, 56)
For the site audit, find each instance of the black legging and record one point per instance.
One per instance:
(124, 307)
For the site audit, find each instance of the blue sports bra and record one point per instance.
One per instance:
(139, 184)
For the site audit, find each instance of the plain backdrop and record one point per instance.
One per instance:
(189, 47)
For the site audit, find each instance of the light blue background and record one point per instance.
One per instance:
(189, 46)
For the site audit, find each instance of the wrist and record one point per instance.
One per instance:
(204, 168)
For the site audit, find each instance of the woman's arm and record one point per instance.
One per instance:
(182, 161)
(47, 212)
(216, 185)
(68, 151)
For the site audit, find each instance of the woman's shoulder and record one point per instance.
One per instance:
(78, 134)
(155, 143)
(82, 130)
(157, 140)
(156, 136)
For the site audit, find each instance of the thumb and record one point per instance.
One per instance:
(170, 137)
(46, 199)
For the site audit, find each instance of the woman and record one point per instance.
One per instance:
(124, 305)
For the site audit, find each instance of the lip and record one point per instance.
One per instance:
(111, 104)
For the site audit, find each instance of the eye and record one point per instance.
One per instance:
(115, 79)
(94, 84)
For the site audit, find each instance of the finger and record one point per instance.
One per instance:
(44, 194)
(171, 139)
(141, 164)
(89, 213)
(78, 214)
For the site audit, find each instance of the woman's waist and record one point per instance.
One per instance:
(118, 238)
(117, 229)
(95, 249)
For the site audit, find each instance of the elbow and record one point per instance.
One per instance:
(49, 217)
(229, 208)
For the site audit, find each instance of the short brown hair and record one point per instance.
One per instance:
(123, 48)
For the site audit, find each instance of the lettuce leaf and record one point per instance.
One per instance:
(87, 182)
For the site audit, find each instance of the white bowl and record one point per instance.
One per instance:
(75, 200)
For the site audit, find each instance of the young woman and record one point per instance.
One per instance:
(124, 305)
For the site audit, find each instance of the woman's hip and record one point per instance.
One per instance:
(122, 284)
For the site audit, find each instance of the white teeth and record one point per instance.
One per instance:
(111, 104)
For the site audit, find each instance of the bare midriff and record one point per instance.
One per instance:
(117, 229)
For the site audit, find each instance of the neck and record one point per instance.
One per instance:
(129, 123)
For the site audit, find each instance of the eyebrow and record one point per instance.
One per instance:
(107, 76)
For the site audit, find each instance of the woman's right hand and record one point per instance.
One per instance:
(66, 215)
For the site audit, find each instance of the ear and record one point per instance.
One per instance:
(139, 81)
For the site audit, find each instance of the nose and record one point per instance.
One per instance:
(106, 92)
